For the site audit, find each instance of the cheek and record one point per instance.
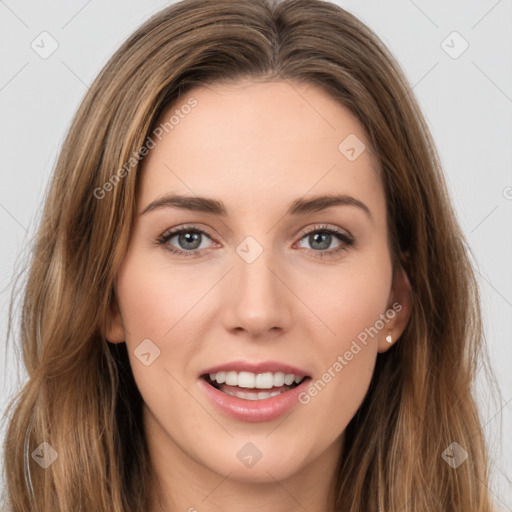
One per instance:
(348, 299)
(334, 396)
(154, 314)
(153, 298)
(351, 303)
(346, 362)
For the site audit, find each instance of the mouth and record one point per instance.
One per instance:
(253, 386)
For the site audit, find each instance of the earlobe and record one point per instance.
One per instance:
(399, 309)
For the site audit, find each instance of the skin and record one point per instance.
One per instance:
(256, 146)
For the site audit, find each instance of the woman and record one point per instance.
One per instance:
(189, 344)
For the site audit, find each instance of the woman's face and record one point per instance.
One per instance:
(262, 281)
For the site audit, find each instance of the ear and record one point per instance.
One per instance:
(114, 330)
(399, 309)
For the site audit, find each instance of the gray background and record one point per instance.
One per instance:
(467, 102)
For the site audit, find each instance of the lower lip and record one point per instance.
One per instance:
(254, 410)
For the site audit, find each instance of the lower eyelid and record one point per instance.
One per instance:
(344, 238)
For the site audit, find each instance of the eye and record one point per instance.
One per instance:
(320, 238)
(189, 240)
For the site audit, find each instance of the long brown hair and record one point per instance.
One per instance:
(80, 396)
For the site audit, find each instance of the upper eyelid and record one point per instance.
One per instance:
(175, 231)
(170, 233)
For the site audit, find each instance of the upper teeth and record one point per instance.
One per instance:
(251, 380)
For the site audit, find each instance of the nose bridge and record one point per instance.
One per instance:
(257, 300)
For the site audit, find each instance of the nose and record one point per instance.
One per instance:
(256, 297)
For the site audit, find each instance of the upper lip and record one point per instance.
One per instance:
(261, 367)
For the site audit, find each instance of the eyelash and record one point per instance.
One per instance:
(345, 238)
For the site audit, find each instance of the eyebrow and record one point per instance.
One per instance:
(300, 206)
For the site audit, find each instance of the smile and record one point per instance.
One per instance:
(254, 396)
(250, 386)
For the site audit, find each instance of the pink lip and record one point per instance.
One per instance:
(265, 366)
(254, 410)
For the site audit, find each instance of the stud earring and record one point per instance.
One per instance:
(389, 339)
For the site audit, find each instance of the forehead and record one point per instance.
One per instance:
(260, 143)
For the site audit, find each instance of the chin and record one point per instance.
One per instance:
(263, 459)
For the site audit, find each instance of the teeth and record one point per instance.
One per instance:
(279, 379)
(232, 379)
(262, 395)
(220, 377)
(264, 381)
(250, 380)
(245, 379)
